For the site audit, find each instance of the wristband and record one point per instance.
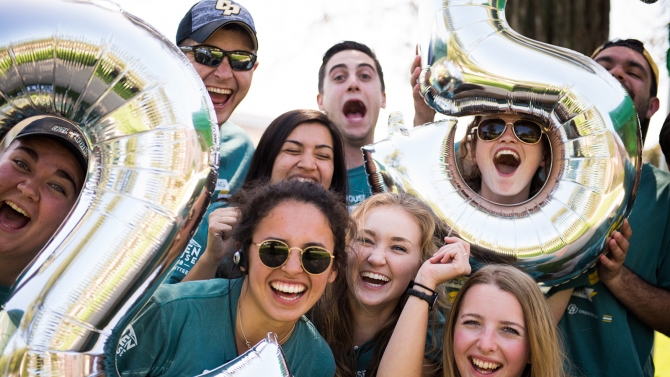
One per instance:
(430, 299)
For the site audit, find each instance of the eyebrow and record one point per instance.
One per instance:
(296, 142)
(36, 158)
(342, 65)
(478, 316)
(626, 62)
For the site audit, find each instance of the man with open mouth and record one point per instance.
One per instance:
(351, 93)
(41, 174)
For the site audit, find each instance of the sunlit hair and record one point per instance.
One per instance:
(473, 176)
(546, 353)
(334, 314)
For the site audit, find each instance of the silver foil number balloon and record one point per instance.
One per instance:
(154, 155)
(264, 359)
(475, 64)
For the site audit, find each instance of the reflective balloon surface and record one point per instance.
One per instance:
(264, 359)
(154, 153)
(474, 64)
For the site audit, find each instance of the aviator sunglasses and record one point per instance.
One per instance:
(315, 260)
(213, 56)
(526, 131)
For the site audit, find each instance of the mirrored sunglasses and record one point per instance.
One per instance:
(212, 56)
(526, 131)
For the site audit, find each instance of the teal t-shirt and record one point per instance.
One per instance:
(359, 189)
(603, 338)
(4, 295)
(236, 151)
(365, 352)
(187, 329)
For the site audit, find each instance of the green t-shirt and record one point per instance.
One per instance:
(365, 352)
(187, 329)
(236, 151)
(359, 189)
(602, 337)
(4, 295)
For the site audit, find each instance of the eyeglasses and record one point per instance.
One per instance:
(526, 131)
(315, 260)
(213, 56)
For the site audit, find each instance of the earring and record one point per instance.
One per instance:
(237, 257)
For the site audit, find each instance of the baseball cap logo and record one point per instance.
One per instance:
(227, 7)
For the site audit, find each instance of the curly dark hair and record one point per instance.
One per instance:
(256, 202)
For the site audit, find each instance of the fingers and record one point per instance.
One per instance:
(626, 230)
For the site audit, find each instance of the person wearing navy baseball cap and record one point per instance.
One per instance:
(41, 174)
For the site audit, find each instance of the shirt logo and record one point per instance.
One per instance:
(572, 309)
(222, 185)
(227, 7)
(128, 341)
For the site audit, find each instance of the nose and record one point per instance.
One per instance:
(28, 188)
(617, 71)
(307, 161)
(224, 71)
(353, 84)
(377, 256)
(508, 135)
(487, 340)
(292, 266)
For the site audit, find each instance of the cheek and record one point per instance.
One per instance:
(461, 344)
(326, 168)
(280, 168)
(243, 79)
(517, 353)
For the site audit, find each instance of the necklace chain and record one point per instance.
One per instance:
(246, 341)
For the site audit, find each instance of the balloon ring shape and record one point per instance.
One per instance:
(154, 156)
(474, 65)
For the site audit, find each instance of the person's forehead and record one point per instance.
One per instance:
(230, 40)
(624, 55)
(351, 59)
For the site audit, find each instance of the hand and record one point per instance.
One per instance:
(451, 261)
(219, 234)
(422, 112)
(611, 263)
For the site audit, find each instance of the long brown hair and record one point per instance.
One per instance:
(543, 338)
(334, 316)
(473, 176)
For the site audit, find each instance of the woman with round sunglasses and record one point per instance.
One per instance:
(394, 266)
(298, 145)
(291, 245)
(508, 153)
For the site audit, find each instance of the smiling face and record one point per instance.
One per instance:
(387, 255)
(226, 87)
(633, 72)
(507, 165)
(39, 183)
(352, 95)
(286, 293)
(307, 154)
(490, 334)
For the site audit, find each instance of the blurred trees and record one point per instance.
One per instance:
(580, 25)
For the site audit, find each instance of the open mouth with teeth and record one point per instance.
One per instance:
(484, 367)
(375, 280)
(12, 216)
(354, 110)
(303, 179)
(288, 292)
(506, 161)
(219, 96)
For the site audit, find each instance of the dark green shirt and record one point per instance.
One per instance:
(359, 189)
(602, 337)
(187, 329)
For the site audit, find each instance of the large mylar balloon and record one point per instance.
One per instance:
(264, 359)
(475, 64)
(154, 154)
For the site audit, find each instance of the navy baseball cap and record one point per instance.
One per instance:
(207, 16)
(63, 132)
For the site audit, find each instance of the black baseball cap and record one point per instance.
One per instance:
(207, 16)
(64, 132)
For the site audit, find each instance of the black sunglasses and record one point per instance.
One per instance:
(526, 131)
(315, 260)
(213, 56)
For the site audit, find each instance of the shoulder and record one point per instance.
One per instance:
(307, 352)
(192, 291)
(232, 133)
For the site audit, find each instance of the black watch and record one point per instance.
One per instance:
(430, 299)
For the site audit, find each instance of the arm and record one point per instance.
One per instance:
(648, 303)
(404, 355)
(422, 112)
(219, 242)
